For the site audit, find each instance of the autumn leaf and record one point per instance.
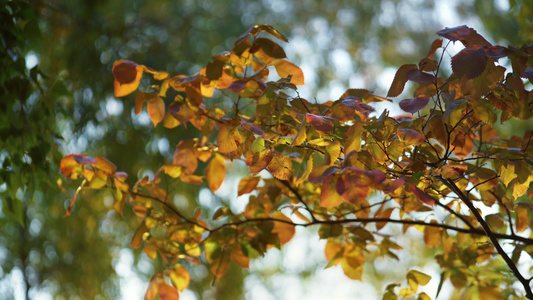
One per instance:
(215, 172)
(166, 292)
(400, 79)
(247, 185)
(469, 63)
(284, 230)
(280, 166)
(410, 136)
(414, 104)
(180, 277)
(329, 197)
(416, 278)
(259, 161)
(229, 138)
(319, 123)
(468, 36)
(71, 166)
(127, 77)
(286, 69)
(421, 195)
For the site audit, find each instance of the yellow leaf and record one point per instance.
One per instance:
(169, 121)
(229, 138)
(405, 292)
(416, 278)
(285, 231)
(173, 171)
(332, 249)
(332, 152)
(287, 69)
(280, 166)
(127, 76)
(507, 173)
(215, 172)
(353, 138)
(105, 165)
(432, 236)
(180, 277)
(410, 136)
(329, 197)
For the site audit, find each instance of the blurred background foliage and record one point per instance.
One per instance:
(56, 98)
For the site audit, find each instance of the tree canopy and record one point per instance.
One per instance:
(437, 169)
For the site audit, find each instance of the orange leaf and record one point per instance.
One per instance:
(285, 231)
(127, 77)
(215, 172)
(247, 185)
(329, 197)
(280, 166)
(240, 258)
(259, 161)
(105, 165)
(410, 136)
(166, 292)
(71, 166)
(400, 79)
(151, 293)
(156, 109)
(522, 218)
(137, 239)
(287, 69)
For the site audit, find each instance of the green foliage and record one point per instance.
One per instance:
(335, 165)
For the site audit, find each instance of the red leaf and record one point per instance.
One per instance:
(469, 63)
(497, 52)
(421, 195)
(399, 80)
(127, 76)
(468, 36)
(414, 104)
(420, 77)
(319, 123)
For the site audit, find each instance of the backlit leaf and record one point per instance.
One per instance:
(490, 293)
(421, 195)
(229, 138)
(280, 166)
(522, 219)
(270, 48)
(105, 165)
(319, 174)
(400, 79)
(247, 185)
(136, 241)
(259, 161)
(333, 151)
(166, 292)
(410, 136)
(71, 166)
(319, 123)
(329, 197)
(286, 69)
(127, 76)
(414, 104)
(416, 278)
(215, 172)
(285, 231)
(180, 277)
(420, 77)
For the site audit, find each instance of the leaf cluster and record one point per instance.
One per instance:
(336, 165)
